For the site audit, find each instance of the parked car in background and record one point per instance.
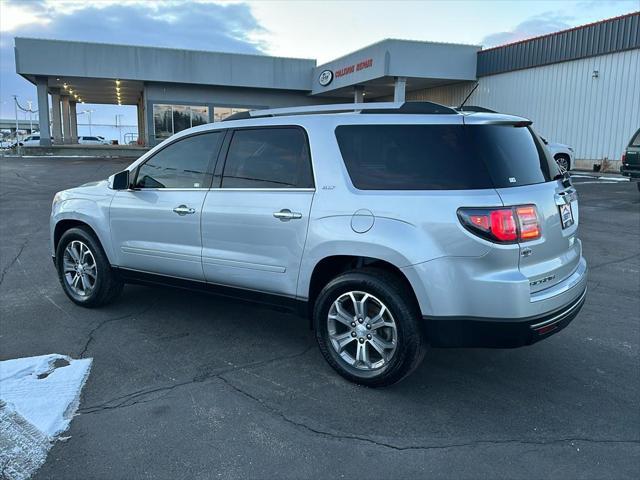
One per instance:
(92, 140)
(392, 228)
(32, 140)
(561, 153)
(631, 160)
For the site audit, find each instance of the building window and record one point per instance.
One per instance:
(220, 113)
(170, 119)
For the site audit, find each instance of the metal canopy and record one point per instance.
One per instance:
(97, 90)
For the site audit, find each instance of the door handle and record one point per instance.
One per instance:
(183, 210)
(285, 215)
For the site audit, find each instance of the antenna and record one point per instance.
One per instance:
(470, 93)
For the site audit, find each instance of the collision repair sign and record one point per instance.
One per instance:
(355, 67)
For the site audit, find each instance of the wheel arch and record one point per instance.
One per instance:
(65, 224)
(331, 266)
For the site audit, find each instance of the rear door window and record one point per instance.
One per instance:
(442, 157)
(268, 158)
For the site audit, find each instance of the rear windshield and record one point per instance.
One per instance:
(442, 157)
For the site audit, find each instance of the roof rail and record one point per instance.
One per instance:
(373, 107)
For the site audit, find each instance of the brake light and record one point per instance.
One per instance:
(502, 225)
(624, 157)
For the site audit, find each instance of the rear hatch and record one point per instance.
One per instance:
(524, 174)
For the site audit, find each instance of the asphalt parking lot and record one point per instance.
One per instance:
(186, 385)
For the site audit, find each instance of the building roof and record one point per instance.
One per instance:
(423, 64)
(599, 38)
(89, 60)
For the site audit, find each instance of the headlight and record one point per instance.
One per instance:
(570, 149)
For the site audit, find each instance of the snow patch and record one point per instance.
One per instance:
(38, 398)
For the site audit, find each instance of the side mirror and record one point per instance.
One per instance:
(121, 180)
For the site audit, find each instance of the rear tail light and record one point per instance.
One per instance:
(624, 157)
(502, 225)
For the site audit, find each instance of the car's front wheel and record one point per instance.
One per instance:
(368, 327)
(563, 162)
(84, 270)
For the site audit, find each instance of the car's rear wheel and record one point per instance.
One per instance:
(368, 327)
(84, 270)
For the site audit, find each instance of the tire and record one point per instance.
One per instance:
(563, 162)
(335, 313)
(95, 283)
(638, 185)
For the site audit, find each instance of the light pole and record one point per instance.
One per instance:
(15, 107)
(30, 103)
(119, 125)
(89, 115)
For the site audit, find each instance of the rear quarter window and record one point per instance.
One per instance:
(443, 157)
(410, 157)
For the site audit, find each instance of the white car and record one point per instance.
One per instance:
(92, 140)
(563, 154)
(30, 141)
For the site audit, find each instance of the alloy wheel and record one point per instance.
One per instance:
(563, 163)
(79, 268)
(362, 331)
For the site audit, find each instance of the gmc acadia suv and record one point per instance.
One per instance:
(393, 226)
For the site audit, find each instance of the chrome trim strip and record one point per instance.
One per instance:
(222, 189)
(567, 284)
(561, 315)
(161, 254)
(238, 264)
(264, 189)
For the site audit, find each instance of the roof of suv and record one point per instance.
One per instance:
(357, 113)
(475, 115)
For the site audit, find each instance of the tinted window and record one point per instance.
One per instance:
(636, 141)
(513, 155)
(442, 157)
(410, 157)
(182, 164)
(268, 158)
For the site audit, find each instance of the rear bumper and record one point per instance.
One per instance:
(500, 332)
(632, 174)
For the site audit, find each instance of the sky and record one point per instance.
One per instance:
(321, 30)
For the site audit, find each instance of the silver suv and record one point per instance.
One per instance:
(392, 226)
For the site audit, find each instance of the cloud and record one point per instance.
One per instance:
(198, 26)
(538, 25)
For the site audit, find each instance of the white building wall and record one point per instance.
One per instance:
(597, 116)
